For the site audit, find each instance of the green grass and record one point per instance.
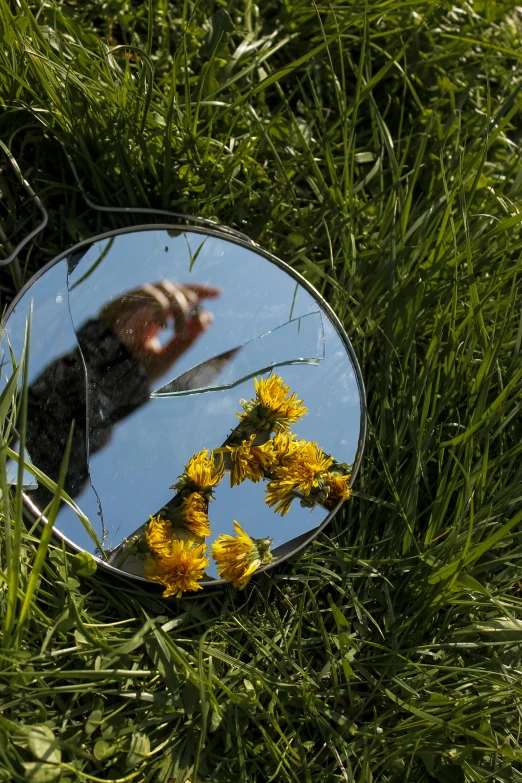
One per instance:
(376, 148)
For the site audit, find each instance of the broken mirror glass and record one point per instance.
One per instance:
(217, 404)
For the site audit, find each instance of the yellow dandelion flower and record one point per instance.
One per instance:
(274, 395)
(179, 569)
(158, 534)
(250, 461)
(285, 445)
(276, 405)
(194, 512)
(201, 472)
(238, 557)
(304, 469)
(302, 472)
(338, 489)
(280, 496)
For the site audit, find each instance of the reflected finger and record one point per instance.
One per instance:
(181, 306)
(157, 294)
(203, 291)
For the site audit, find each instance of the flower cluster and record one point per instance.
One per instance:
(261, 447)
(250, 461)
(177, 545)
(301, 471)
(304, 471)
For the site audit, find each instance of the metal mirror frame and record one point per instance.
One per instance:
(296, 545)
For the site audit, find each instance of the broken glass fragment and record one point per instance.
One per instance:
(300, 341)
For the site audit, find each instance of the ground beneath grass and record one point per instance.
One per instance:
(375, 147)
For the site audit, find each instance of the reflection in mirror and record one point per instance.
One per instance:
(56, 397)
(296, 342)
(127, 333)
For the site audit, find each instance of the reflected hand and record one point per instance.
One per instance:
(139, 316)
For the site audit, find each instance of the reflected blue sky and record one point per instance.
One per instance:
(52, 332)
(146, 451)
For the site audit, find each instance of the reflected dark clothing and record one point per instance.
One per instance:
(96, 385)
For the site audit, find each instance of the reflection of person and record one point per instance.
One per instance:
(110, 374)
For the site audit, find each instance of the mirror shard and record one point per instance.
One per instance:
(299, 341)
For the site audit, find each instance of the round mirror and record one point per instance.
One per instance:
(209, 384)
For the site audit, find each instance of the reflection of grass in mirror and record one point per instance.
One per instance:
(193, 256)
(293, 301)
(94, 266)
(386, 169)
